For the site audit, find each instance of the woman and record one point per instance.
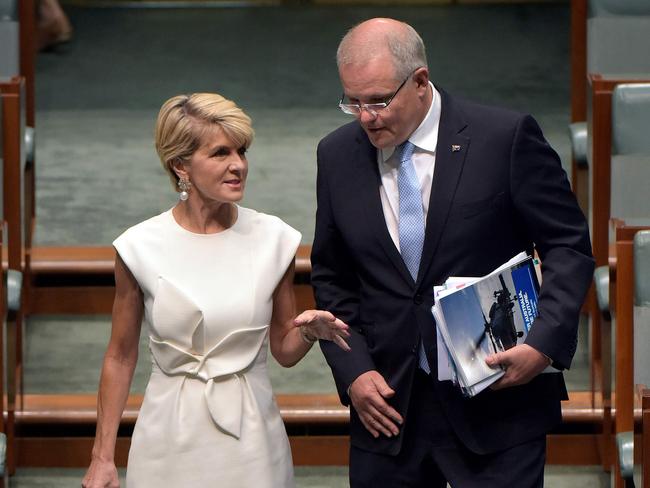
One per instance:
(208, 276)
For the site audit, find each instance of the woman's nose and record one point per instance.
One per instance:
(237, 162)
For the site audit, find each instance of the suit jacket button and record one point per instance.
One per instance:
(417, 299)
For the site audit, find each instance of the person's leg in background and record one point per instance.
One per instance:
(52, 24)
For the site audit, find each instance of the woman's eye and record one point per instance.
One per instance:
(242, 150)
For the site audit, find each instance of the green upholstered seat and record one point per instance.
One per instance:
(578, 135)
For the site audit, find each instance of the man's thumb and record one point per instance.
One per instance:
(493, 360)
(383, 388)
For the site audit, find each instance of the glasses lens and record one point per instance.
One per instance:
(349, 108)
(373, 108)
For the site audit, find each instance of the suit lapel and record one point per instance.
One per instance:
(451, 151)
(369, 182)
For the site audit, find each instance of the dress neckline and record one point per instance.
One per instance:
(174, 223)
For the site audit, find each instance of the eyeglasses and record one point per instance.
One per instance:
(371, 108)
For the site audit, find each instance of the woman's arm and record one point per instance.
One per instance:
(291, 337)
(117, 372)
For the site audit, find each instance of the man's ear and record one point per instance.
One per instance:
(421, 77)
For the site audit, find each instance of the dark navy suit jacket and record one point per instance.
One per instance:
(503, 192)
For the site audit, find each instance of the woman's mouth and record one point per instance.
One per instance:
(235, 183)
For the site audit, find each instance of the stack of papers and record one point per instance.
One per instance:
(477, 317)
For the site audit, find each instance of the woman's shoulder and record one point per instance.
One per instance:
(147, 228)
(262, 221)
(275, 242)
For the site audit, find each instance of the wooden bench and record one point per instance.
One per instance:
(3, 316)
(57, 430)
(79, 280)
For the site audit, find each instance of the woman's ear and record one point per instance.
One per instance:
(178, 167)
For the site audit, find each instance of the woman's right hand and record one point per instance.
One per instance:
(101, 474)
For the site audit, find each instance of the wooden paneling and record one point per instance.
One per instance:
(63, 452)
(10, 93)
(572, 449)
(74, 452)
(82, 300)
(645, 438)
(320, 450)
(578, 60)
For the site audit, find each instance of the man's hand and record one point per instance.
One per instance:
(522, 363)
(368, 393)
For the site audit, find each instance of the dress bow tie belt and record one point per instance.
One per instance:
(222, 370)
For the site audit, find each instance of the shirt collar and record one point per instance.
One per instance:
(425, 137)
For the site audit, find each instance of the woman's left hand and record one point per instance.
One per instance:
(323, 325)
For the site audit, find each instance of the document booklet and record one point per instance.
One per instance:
(477, 317)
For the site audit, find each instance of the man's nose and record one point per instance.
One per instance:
(366, 115)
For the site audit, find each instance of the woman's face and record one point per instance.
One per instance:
(218, 169)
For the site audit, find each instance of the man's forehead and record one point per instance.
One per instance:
(368, 77)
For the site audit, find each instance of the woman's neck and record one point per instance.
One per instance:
(205, 218)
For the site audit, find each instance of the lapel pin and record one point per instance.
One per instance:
(455, 148)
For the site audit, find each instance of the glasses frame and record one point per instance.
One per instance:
(372, 108)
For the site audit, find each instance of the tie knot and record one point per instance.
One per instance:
(406, 151)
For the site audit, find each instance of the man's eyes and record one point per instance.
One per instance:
(372, 101)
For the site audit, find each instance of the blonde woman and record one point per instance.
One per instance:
(213, 282)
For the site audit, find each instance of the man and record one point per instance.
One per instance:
(420, 187)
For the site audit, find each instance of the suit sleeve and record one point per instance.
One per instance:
(336, 289)
(552, 218)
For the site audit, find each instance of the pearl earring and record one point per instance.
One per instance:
(184, 185)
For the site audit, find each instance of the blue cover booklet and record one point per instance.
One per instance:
(479, 317)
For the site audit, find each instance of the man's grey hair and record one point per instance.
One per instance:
(406, 47)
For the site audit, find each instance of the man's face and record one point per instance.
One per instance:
(375, 82)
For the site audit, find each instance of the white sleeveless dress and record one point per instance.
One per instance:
(209, 418)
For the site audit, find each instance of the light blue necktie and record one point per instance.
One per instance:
(411, 221)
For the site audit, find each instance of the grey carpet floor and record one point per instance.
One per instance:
(315, 477)
(57, 345)
(97, 99)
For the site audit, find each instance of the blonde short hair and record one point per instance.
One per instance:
(184, 120)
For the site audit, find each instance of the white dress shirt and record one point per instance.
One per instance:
(425, 139)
